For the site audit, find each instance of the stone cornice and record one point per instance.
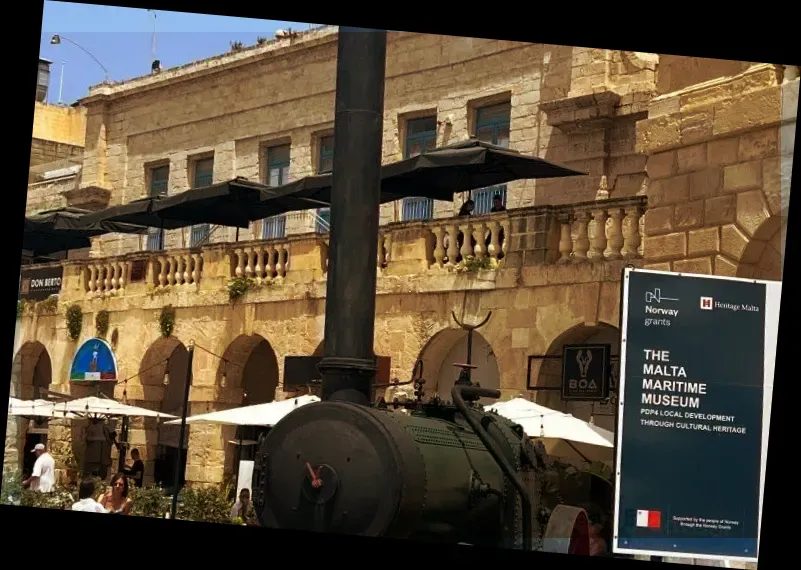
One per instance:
(582, 113)
(224, 62)
(714, 109)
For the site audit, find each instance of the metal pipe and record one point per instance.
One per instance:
(525, 500)
(348, 366)
(61, 83)
(179, 460)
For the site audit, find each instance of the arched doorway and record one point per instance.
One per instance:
(449, 346)
(248, 373)
(163, 373)
(550, 373)
(763, 257)
(31, 375)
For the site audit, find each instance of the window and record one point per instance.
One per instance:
(276, 174)
(492, 126)
(202, 176)
(325, 164)
(326, 160)
(421, 136)
(159, 182)
(204, 170)
(159, 179)
(42, 82)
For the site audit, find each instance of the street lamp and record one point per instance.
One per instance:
(57, 39)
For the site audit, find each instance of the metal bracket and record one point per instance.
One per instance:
(470, 329)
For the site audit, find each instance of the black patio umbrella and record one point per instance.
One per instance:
(440, 173)
(139, 213)
(468, 165)
(235, 203)
(64, 229)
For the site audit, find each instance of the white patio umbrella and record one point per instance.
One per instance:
(94, 406)
(258, 415)
(563, 435)
(34, 409)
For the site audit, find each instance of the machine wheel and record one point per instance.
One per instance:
(568, 531)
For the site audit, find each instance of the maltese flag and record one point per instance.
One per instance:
(649, 519)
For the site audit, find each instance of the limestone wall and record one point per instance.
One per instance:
(719, 161)
(234, 106)
(533, 303)
(65, 125)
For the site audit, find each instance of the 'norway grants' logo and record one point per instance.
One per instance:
(707, 303)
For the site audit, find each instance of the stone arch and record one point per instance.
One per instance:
(162, 377)
(31, 372)
(247, 375)
(248, 370)
(449, 346)
(548, 372)
(763, 256)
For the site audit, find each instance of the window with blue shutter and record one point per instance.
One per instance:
(325, 164)
(159, 186)
(492, 126)
(421, 136)
(203, 176)
(276, 174)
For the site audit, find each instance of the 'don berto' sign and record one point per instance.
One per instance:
(94, 361)
(696, 380)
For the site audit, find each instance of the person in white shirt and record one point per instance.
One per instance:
(86, 501)
(43, 477)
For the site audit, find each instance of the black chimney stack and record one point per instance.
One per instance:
(348, 365)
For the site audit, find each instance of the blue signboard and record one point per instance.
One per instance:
(94, 361)
(696, 379)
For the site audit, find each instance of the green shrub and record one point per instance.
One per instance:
(205, 505)
(472, 264)
(12, 488)
(149, 502)
(238, 286)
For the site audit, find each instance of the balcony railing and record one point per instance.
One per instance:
(575, 233)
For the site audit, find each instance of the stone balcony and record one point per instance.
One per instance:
(434, 250)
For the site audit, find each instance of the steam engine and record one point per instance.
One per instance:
(428, 471)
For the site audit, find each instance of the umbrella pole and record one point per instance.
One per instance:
(237, 234)
(584, 457)
(178, 459)
(238, 457)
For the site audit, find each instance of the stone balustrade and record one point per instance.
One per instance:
(261, 261)
(106, 276)
(157, 271)
(527, 236)
(181, 267)
(620, 236)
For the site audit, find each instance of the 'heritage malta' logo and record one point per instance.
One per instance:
(707, 303)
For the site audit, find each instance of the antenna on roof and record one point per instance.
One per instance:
(155, 66)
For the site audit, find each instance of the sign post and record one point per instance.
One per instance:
(696, 378)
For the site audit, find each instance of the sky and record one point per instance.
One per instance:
(122, 40)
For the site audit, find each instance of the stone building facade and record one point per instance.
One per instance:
(681, 176)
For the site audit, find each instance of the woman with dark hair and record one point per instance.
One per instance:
(116, 500)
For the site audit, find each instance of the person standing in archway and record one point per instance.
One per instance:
(137, 470)
(43, 477)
